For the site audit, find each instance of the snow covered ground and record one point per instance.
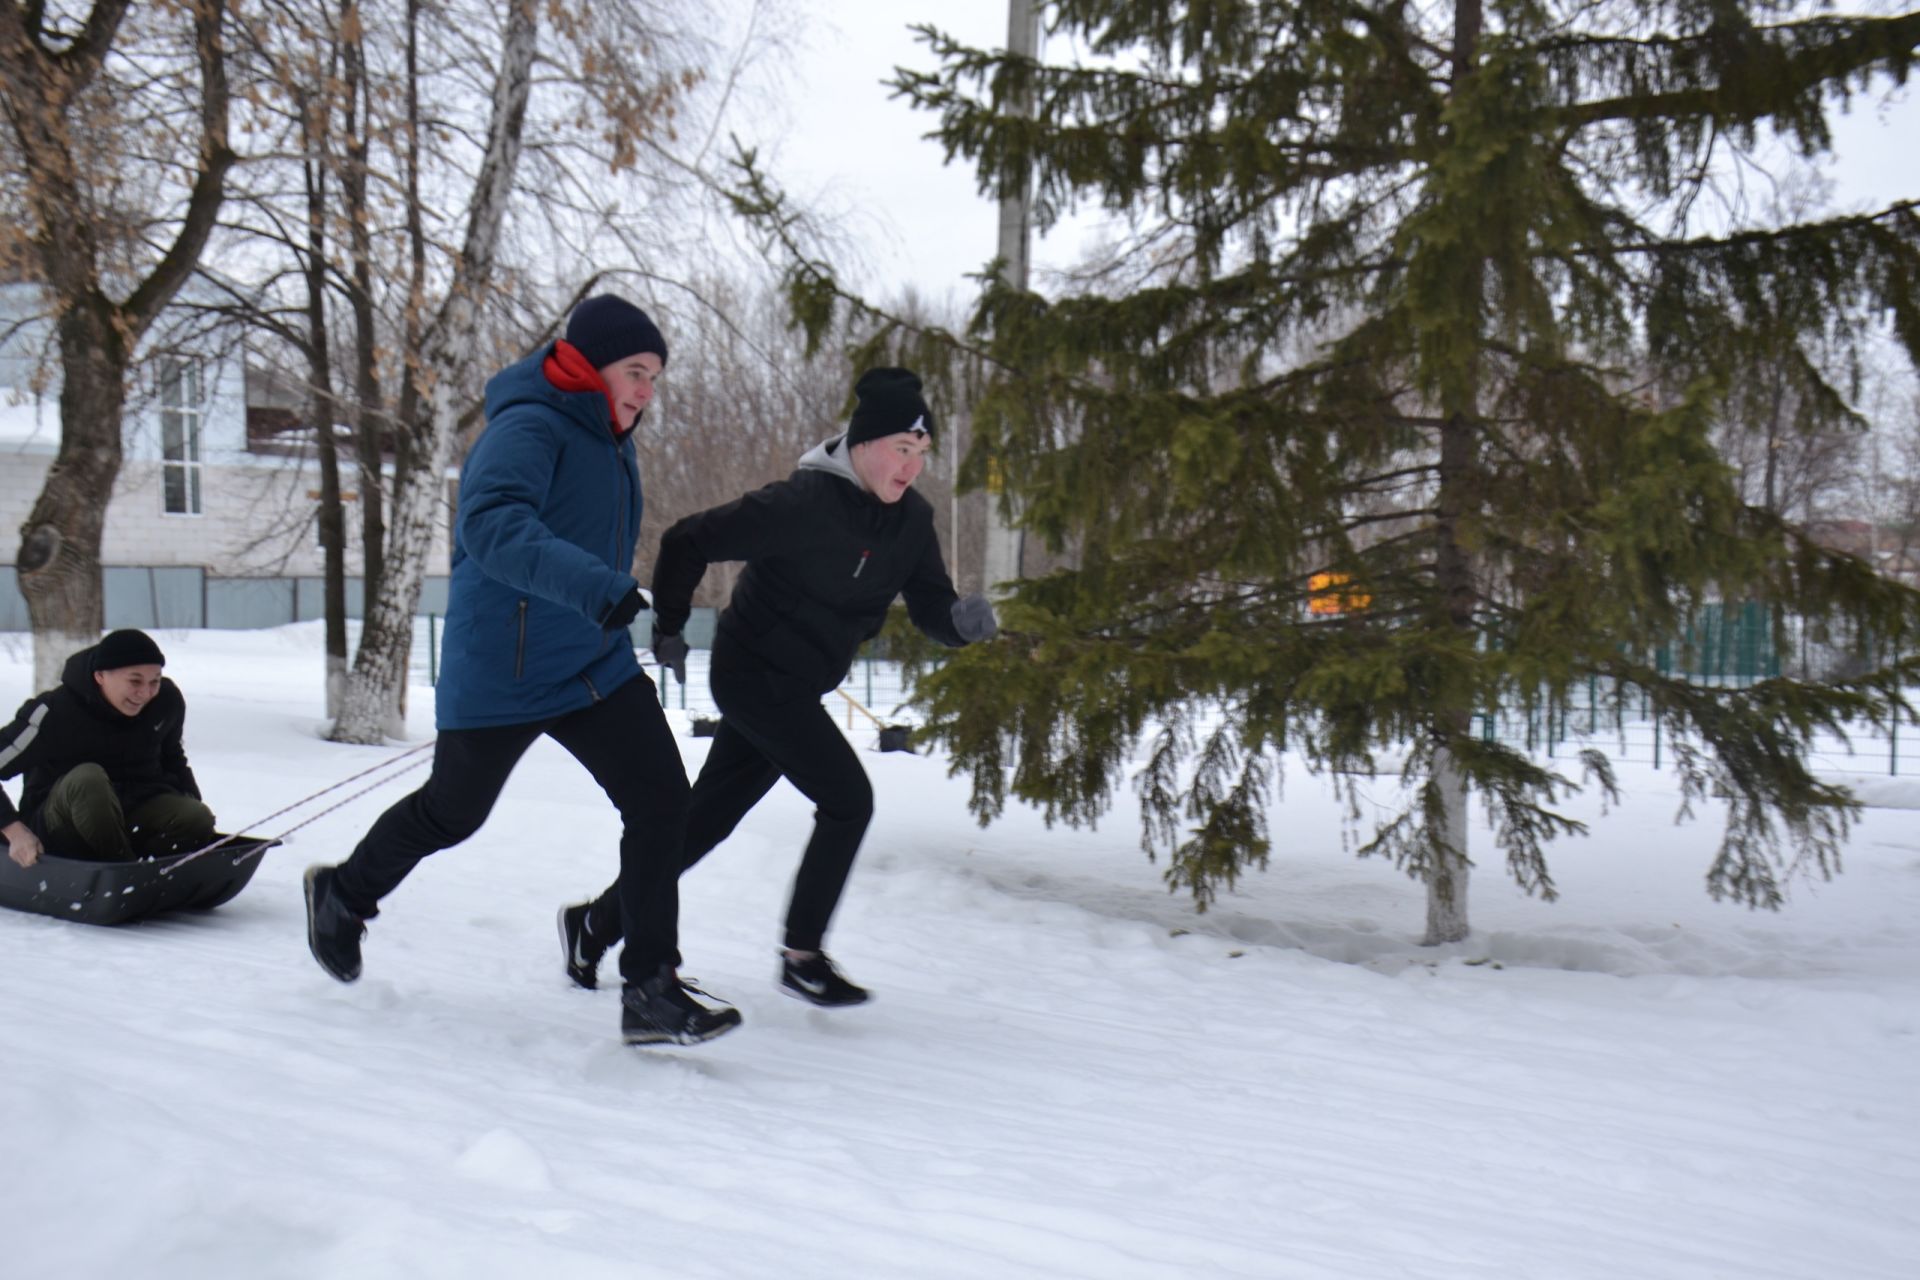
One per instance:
(1065, 1072)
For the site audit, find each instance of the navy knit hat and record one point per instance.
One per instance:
(607, 328)
(127, 649)
(889, 403)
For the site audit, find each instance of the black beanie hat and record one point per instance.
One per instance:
(607, 328)
(127, 649)
(889, 402)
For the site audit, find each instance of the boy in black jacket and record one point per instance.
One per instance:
(827, 550)
(106, 772)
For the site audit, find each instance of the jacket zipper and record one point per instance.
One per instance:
(520, 646)
(865, 552)
(630, 489)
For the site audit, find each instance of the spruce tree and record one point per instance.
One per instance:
(1398, 406)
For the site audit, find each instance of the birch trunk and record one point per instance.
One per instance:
(370, 710)
(370, 427)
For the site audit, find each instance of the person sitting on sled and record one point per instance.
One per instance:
(106, 772)
(827, 550)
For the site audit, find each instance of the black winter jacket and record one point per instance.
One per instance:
(75, 724)
(825, 560)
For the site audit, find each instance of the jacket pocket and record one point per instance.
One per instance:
(520, 642)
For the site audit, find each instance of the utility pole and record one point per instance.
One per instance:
(1005, 543)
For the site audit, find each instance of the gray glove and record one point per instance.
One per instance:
(670, 651)
(973, 618)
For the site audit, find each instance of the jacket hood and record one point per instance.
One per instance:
(77, 675)
(832, 456)
(77, 678)
(525, 382)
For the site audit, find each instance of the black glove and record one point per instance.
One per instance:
(670, 651)
(973, 618)
(620, 615)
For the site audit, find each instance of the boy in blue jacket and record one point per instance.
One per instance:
(536, 643)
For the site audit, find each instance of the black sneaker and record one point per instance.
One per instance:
(333, 931)
(815, 980)
(581, 949)
(662, 1010)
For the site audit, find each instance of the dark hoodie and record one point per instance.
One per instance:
(75, 725)
(825, 560)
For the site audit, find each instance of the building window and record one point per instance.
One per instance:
(181, 411)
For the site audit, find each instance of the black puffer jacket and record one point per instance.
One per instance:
(74, 725)
(825, 559)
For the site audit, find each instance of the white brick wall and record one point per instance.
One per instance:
(257, 510)
(258, 519)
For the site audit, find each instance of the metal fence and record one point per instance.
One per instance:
(874, 685)
(1727, 646)
(159, 597)
(1623, 728)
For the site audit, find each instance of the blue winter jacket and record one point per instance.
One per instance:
(549, 516)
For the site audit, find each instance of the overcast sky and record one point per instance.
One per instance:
(854, 149)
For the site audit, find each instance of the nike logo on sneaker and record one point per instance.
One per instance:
(812, 986)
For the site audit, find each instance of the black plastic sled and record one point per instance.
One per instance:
(121, 892)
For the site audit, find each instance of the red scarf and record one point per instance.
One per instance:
(568, 370)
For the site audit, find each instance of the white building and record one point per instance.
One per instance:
(209, 524)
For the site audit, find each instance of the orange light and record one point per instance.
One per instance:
(1326, 599)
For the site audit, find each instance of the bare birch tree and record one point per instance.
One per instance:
(368, 712)
(116, 230)
(446, 223)
(603, 147)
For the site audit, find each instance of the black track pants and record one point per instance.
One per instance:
(624, 742)
(772, 727)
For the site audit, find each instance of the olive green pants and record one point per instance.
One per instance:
(82, 819)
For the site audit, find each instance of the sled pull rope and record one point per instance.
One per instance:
(375, 785)
(376, 768)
